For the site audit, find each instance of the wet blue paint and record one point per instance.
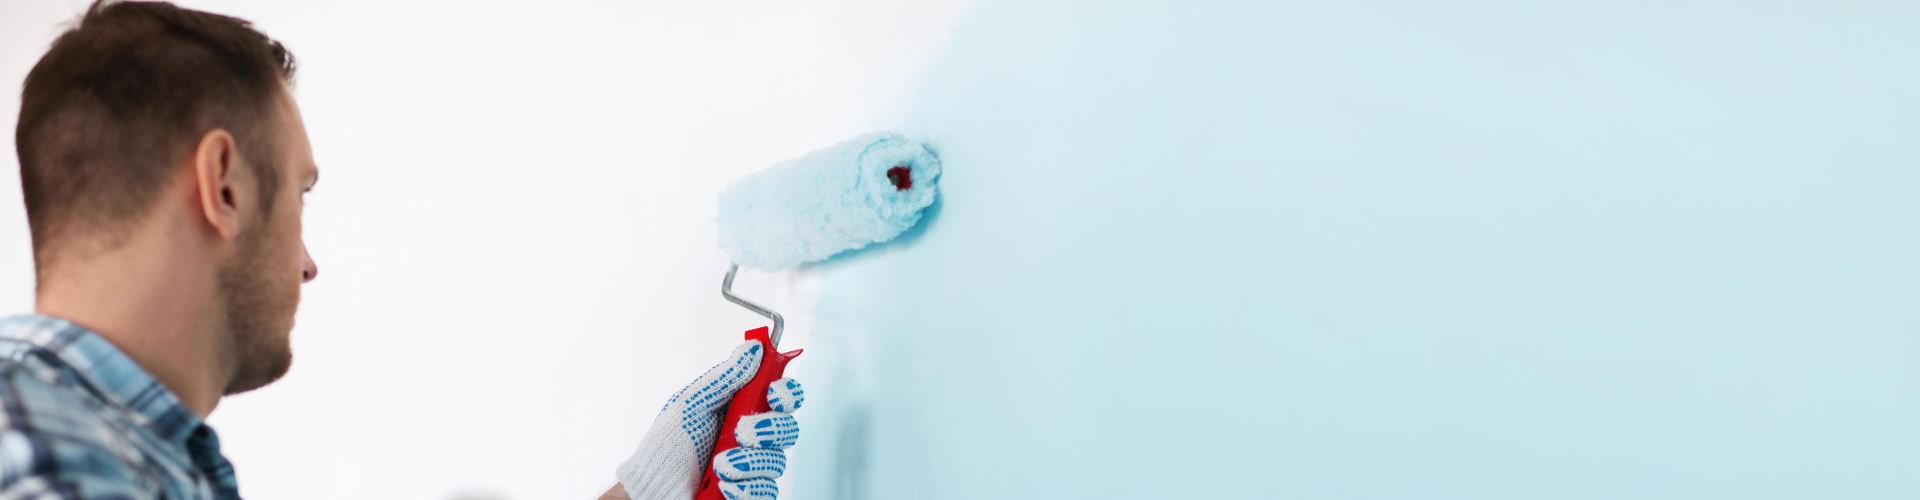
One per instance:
(1360, 250)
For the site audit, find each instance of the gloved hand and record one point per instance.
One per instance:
(672, 456)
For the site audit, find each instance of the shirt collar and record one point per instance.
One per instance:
(108, 371)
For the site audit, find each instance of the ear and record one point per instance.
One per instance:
(216, 173)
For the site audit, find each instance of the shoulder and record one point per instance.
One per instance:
(59, 440)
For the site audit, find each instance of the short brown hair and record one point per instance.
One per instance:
(127, 93)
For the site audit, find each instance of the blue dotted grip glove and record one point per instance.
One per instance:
(672, 457)
(748, 471)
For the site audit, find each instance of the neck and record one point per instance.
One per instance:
(157, 311)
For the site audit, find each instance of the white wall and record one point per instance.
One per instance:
(514, 222)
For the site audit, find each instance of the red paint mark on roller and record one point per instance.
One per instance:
(901, 176)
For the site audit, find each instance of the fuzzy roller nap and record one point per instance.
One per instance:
(859, 192)
(856, 193)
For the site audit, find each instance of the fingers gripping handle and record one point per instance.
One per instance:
(749, 400)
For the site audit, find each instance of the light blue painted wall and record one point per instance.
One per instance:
(1391, 250)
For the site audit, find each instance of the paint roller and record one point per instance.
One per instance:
(866, 190)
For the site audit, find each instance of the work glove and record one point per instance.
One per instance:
(673, 455)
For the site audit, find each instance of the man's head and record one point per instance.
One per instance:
(147, 114)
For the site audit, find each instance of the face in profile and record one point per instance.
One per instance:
(260, 281)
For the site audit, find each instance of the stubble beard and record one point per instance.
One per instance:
(259, 317)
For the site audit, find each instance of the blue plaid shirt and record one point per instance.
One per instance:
(81, 420)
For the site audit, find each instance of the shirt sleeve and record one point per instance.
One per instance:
(60, 452)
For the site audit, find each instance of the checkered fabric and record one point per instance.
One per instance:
(78, 419)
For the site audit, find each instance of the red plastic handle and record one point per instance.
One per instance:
(749, 400)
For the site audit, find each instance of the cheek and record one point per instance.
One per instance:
(288, 246)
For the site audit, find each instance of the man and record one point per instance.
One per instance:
(164, 165)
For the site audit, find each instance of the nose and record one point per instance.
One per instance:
(310, 270)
